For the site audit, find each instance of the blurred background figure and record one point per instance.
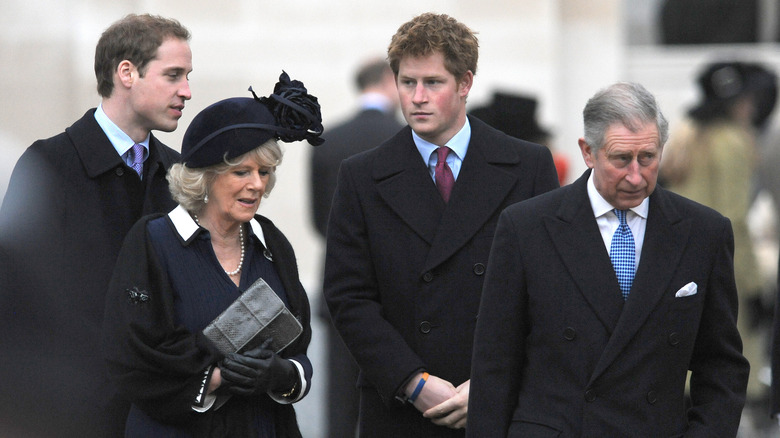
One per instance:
(71, 200)
(515, 115)
(711, 158)
(374, 122)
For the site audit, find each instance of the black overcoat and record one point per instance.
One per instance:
(558, 352)
(156, 362)
(70, 202)
(404, 270)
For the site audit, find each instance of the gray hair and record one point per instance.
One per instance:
(189, 187)
(625, 103)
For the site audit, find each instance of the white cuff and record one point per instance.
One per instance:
(302, 381)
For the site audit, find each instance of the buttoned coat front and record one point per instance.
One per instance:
(404, 270)
(559, 353)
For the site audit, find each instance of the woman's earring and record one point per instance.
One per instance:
(206, 199)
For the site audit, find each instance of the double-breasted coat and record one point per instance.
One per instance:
(70, 202)
(404, 270)
(559, 353)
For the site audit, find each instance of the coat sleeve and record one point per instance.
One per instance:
(156, 364)
(353, 296)
(296, 295)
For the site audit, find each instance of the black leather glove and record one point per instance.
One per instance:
(257, 371)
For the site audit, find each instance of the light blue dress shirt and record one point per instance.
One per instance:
(121, 141)
(459, 144)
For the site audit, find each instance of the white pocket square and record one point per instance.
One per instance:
(687, 290)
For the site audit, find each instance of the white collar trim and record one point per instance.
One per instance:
(187, 227)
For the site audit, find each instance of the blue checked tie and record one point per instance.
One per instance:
(622, 253)
(138, 159)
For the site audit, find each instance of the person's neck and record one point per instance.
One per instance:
(116, 110)
(222, 234)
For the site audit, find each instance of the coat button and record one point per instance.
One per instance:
(652, 397)
(479, 269)
(590, 395)
(427, 277)
(425, 327)
(569, 333)
(119, 171)
(674, 339)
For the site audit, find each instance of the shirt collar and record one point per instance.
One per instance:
(459, 143)
(601, 206)
(118, 138)
(187, 228)
(376, 101)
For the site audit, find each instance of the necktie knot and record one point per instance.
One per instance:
(621, 215)
(444, 178)
(138, 159)
(441, 154)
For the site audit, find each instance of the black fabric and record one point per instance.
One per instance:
(154, 347)
(404, 270)
(70, 201)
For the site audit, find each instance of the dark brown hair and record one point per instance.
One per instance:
(135, 38)
(430, 33)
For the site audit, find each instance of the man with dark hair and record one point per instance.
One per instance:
(603, 295)
(70, 201)
(410, 231)
(374, 123)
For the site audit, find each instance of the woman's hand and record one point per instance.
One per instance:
(257, 371)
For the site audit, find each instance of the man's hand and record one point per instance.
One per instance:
(452, 412)
(434, 392)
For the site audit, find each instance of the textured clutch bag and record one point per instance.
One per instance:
(258, 314)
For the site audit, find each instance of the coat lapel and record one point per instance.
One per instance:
(403, 181)
(479, 192)
(577, 240)
(666, 235)
(95, 150)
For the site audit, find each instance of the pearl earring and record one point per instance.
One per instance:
(206, 199)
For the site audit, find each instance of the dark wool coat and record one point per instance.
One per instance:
(158, 364)
(558, 352)
(70, 202)
(404, 270)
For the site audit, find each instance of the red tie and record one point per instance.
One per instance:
(444, 178)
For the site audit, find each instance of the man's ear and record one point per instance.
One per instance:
(465, 83)
(588, 154)
(126, 73)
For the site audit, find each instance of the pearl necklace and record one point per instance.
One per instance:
(241, 240)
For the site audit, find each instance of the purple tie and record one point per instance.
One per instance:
(138, 159)
(444, 178)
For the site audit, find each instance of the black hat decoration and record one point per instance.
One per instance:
(232, 127)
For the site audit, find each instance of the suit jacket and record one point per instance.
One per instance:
(558, 353)
(404, 270)
(366, 130)
(70, 201)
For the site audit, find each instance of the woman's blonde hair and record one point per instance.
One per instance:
(189, 187)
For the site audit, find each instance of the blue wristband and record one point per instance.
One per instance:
(419, 388)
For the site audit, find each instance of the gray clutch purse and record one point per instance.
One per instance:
(258, 314)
